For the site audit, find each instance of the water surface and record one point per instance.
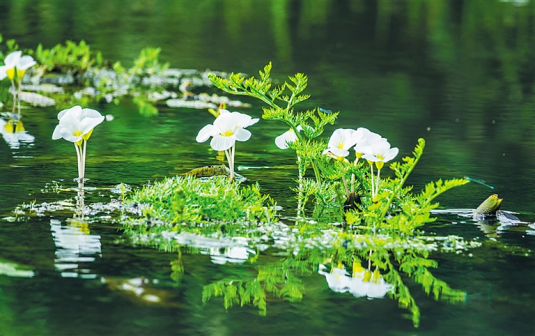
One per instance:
(459, 74)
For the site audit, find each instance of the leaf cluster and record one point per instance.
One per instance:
(70, 57)
(395, 208)
(191, 201)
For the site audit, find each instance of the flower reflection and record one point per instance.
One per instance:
(11, 269)
(75, 246)
(363, 283)
(234, 255)
(337, 279)
(366, 283)
(13, 131)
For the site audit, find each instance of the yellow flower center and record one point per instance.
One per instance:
(228, 133)
(341, 145)
(20, 73)
(77, 133)
(10, 73)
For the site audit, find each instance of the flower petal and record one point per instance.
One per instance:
(339, 152)
(90, 113)
(242, 134)
(226, 123)
(57, 133)
(390, 154)
(88, 124)
(25, 62)
(221, 143)
(69, 136)
(371, 157)
(282, 140)
(12, 59)
(75, 110)
(206, 132)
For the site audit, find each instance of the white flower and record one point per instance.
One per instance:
(340, 142)
(10, 62)
(380, 152)
(76, 124)
(287, 137)
(365, 141)
(23, 64)
(227, 128)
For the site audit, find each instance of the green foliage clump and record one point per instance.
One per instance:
(405, 210)
(191, 201)
(70, 57)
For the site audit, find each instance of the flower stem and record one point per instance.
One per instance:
(373, 192)
(14, 95)
(83, 159)
(377, 184)
(300, 190)
(18, 95)
(233, 149)
(79, 156)
(345, 186)
(353, 177)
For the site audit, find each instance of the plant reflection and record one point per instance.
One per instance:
(13, 131)
(75, 246)
(368, 266)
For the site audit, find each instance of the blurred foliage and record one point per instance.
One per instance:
(70, 57)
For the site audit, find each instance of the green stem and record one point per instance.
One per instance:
(14, 96)
(79, 157)
(345, 186)
(398, 188)
(83, 158)
(18, 95)
(373, 191)
(378, 180)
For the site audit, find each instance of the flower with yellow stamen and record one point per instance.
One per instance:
(226, 129)
(287, 137)
(10, 63)
(340, 142)
(76, 125)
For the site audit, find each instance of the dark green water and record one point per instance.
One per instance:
(460, 74)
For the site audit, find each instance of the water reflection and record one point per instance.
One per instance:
(362, 283)
(381, 264)
(76, 247)
(13, 131)
(12, 269)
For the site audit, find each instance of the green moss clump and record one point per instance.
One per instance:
(190, 201)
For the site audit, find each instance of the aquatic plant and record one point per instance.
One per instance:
(14, 68)
(370, 197)
(76, 125)
(226, 129)
(179, 202)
